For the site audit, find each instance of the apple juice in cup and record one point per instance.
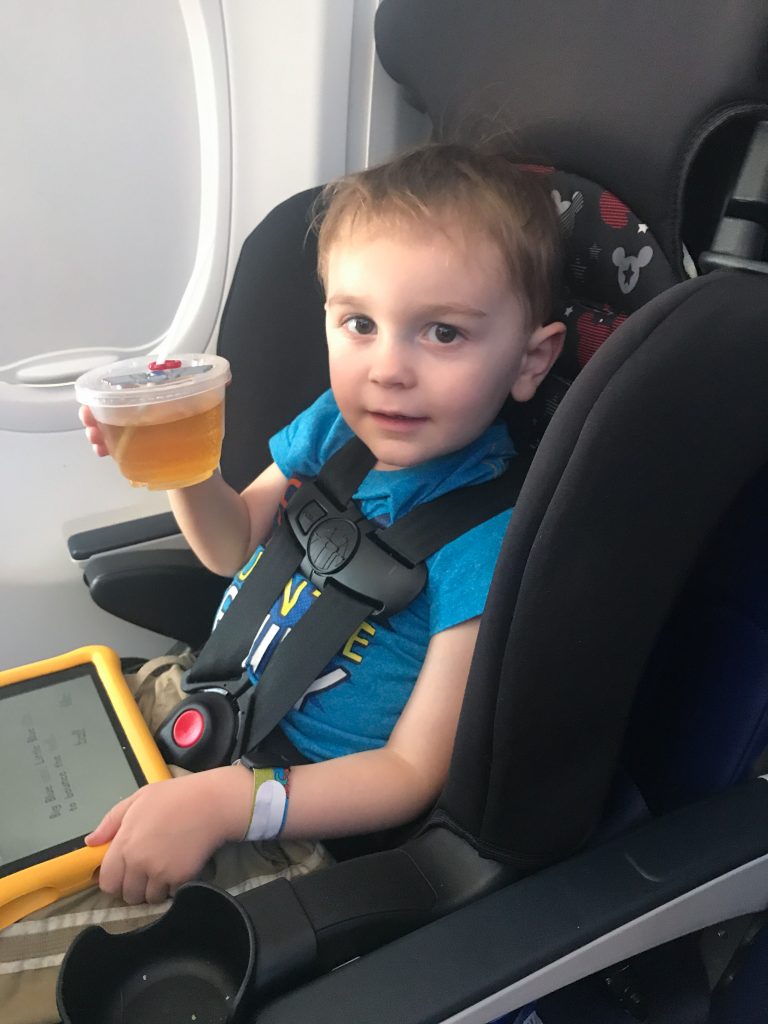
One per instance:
(162, 421)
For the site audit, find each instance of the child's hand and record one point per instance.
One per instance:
(162, 835)
(93, 431)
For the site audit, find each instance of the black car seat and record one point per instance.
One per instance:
(657, 438)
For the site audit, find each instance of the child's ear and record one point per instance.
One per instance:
(542, 349)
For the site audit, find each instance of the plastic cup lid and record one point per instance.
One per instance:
(146, 381)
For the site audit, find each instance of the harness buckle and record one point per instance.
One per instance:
(340, 545)
(210, 727)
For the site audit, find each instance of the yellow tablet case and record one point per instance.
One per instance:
(34, 887)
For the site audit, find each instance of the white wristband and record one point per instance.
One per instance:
(268, 811)
(270, 802)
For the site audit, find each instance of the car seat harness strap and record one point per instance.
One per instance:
(360, 569)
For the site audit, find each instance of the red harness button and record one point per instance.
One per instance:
(188, 728)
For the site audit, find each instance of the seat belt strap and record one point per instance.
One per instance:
(300, 658)
(431, 526)
(343, 473)
(221, 658)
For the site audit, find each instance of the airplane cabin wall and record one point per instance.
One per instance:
(143, 143)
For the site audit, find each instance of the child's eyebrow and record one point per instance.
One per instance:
(344, 300)
(435, 310)
(450, 309)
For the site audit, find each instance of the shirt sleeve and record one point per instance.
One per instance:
(460, 573)
(301, 448)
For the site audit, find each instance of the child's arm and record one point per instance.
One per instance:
(222, 527)
(162, 835)
(382, 788)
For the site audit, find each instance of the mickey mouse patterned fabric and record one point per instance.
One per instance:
(613, 266)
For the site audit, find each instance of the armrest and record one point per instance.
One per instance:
(168, 591)
(671, 876)
(85, 545)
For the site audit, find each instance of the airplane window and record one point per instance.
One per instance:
(101, 180)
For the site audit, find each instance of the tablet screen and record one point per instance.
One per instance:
(64, 761)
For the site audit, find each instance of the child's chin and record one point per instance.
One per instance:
(390, 457)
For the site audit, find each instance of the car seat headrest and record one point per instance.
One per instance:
(613, 266)
(623, 94)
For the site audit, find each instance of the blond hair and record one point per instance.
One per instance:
(475, 190)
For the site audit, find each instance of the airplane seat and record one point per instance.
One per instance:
(646, 453)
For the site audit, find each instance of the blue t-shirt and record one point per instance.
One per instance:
(354, 704)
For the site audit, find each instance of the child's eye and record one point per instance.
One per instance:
(360, 325)
(443, 333)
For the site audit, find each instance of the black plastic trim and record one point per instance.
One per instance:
(88, 543)
(741, 237)
(286, 945)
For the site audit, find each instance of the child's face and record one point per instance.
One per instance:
(426, 339)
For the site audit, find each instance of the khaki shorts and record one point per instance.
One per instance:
(31, 951)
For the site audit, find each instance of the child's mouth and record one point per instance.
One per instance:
(396, 420)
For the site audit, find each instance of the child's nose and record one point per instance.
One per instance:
(391, 364)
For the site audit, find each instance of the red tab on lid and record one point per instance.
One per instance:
(169, 364)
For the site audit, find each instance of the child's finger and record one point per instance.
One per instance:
(107, 828)
(93, 431)
(86, 416)
(135, 886)
(96, 441)
(112, 873)
(157, 891)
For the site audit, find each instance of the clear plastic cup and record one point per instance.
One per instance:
(163, 422)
